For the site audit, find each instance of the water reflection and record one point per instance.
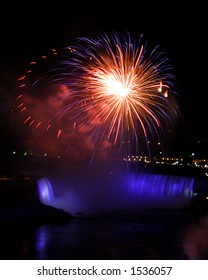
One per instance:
(126, 237)
(147, 234)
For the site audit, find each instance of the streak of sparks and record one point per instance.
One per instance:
(121, 86)
(116, 90)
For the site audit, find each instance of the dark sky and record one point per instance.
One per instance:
(180, 30)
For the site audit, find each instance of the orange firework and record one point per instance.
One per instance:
(112, 90)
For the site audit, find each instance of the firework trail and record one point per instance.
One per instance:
(107, 91)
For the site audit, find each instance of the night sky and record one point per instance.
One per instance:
(180, 30)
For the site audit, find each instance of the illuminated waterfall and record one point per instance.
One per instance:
(117, 191)
(161, 190)
(160, 186)
(45, 191)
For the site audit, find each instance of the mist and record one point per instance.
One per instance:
(195, 242)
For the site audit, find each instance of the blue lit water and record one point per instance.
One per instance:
(147, 234)
(101, 230)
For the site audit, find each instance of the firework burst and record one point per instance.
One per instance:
(113, 92)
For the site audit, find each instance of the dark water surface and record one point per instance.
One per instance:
(146, 234)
